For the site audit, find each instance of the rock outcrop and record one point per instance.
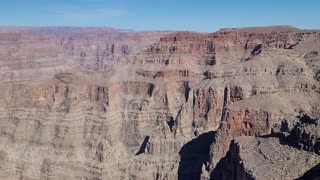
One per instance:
(305, 134)
(98, 103)
(263, 158)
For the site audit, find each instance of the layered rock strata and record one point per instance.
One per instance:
(98, 103)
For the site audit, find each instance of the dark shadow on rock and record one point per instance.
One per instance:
(143, 146)
(150, 91)
(256, 50)
(272, 135)
(284, 140)
(193, 155)
(186, 90)
(219, 172)
(171, 123)
(308, 119)
(211, 61)
(312, 174)
(230, 166)
(291, 46)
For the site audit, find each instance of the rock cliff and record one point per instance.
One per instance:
(98, 103)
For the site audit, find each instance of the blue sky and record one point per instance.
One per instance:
(195, 15)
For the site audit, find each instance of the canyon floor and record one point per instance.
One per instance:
(103, 104)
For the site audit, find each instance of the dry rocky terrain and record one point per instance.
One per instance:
(102, 104)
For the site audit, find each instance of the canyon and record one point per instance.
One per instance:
(101, 103)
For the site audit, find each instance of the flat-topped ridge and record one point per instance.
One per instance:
(263, 29)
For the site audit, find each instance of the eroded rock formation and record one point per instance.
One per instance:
(97, 103)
